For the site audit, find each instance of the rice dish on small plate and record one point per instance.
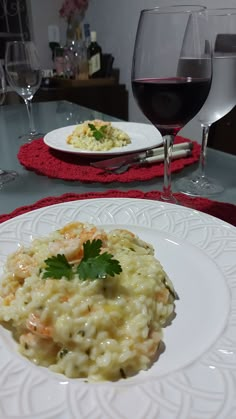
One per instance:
(97, 135)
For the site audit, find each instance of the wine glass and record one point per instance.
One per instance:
(222, 96)
(5, 175)
(24, 76)
(165, 35)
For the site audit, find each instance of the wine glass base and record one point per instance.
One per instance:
(199, 186)
(170, 199)
(31, 136)
(7, 176)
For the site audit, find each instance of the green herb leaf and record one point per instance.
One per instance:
(92, 127)
(103, 128)
(57, 267)
(92, 248)
(98, 133)
(96, 265)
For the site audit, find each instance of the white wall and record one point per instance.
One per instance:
(45, 13)
(116, 23)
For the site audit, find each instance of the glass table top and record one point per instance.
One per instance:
(29, 187)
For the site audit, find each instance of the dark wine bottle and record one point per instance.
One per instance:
(94, 57)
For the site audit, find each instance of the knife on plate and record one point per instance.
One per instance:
(145, 156)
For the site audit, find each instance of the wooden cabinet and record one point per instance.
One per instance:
(104, 95)
(111, 100)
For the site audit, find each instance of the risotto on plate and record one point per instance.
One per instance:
(87, 303)
(97, 135)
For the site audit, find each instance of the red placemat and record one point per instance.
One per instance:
(224, 211)
(40, 158)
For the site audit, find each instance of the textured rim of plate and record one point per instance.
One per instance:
(205, 389)
(100, 154)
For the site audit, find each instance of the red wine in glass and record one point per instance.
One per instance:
(168, 102)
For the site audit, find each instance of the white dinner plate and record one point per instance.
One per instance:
(195, 376)
(143, 136)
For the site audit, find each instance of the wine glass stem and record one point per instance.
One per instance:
(30, 115)
(168, 145)
(202, 162)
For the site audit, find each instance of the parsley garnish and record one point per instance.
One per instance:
(57, 267)
(98, 133)
(94, 265)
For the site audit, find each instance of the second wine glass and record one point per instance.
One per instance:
(24, 76)
(222, 97)
(165, 36)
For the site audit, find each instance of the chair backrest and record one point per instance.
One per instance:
(222, 134)
(225, 42)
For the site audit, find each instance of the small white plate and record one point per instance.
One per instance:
(143, 137)
(195, 376)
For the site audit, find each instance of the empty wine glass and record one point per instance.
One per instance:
(165, 35)
(24, 76)
(5, 175)
(222, 96)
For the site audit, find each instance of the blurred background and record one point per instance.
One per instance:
(115, 23)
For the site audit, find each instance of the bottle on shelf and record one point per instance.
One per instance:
(94, 57)
(59, 61)
(81, 61)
